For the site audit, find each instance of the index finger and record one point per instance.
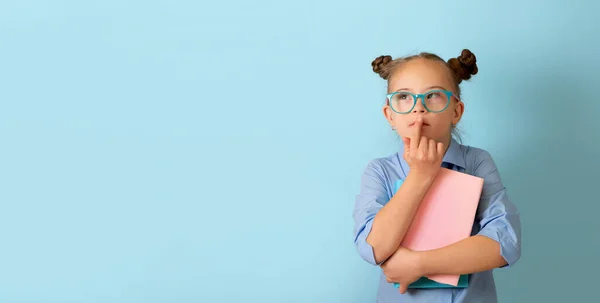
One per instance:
(416, 134)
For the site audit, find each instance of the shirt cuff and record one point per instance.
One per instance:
(365, 250)
(508, 247)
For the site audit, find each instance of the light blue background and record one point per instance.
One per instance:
(196, 151)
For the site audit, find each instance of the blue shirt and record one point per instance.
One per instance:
(496, 218)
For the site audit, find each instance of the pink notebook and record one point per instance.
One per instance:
(445, 215)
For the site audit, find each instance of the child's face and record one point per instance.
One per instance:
(419, 76)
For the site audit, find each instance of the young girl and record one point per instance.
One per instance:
(423, 106)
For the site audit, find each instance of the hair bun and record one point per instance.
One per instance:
(464, 65)
(379, 65)
(467, 58)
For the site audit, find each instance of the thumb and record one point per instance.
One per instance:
(403, 288)
(406, 141)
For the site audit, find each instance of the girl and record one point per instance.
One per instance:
(423, 107)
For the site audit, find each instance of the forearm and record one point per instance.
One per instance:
(474, 254)
(392, 222)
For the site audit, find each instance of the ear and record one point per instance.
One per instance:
(387, 112)
(459, 109)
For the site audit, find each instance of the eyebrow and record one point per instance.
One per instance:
(428, 88)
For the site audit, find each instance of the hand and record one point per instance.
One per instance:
(422, 154)
(403, 267)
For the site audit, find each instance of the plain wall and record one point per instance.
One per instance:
(210, 151)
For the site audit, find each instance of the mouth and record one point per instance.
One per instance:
(413, 124)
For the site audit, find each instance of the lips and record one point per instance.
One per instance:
(413, 124)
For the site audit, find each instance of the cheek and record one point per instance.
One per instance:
(441, 124)
(444, 119)
(400, 121)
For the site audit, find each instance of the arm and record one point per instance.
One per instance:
(380, 229)
(498, 242)
(474, 254)
(393, 220)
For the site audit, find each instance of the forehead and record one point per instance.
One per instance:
(418, 74)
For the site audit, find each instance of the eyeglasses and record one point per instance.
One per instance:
(435, 101)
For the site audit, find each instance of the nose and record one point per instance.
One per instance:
(419, 108)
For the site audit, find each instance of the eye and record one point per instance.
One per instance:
(434, 95)
(404, 96)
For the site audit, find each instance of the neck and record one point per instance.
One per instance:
(446, 142)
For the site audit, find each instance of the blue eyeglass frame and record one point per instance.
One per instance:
(448, 94)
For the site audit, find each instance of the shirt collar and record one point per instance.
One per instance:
(454, 155)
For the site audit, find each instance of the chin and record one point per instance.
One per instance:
(432, 135)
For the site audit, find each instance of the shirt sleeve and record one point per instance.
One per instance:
(370, 199)
(497, 216)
